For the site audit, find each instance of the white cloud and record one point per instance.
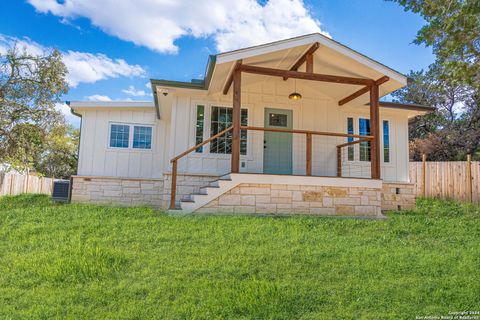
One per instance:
(157, 24)
(89, 68)
(98, 97)
(25, 44)
(69, 116)
(83, 67)
(131, 91)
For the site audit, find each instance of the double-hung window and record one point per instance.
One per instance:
(119, 135)
(125, 136)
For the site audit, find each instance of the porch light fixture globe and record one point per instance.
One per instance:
(295, 96)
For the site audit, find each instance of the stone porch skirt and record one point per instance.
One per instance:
(343, 197)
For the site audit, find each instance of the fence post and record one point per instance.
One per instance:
(424, 175)
(469, 177)
(26, 183)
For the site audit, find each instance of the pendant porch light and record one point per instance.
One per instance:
(295, 95)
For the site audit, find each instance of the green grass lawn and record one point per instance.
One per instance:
(82, 261)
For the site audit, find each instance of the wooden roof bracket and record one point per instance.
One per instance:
(362, 91)
(306, 57)
(229, 82)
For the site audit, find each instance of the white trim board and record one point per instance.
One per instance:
(111, 104)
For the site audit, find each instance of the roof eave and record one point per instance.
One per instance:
(407, 106)
(204, 85)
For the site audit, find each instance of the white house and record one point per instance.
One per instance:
(294, 126)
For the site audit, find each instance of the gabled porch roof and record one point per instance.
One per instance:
(330, 58)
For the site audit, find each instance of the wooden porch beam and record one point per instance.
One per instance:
(362, 91)
(304, 75)
(229, 82)
(306, 57)
(236, 121)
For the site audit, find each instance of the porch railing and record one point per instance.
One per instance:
(174, 162)
(343, 145)
(308, 156)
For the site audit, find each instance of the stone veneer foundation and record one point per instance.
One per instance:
(135, 191)
(398, 196)
(301, 199)
(248, 198)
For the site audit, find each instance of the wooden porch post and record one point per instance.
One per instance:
(237, 79)
(309, 154)
(339, 161)
(375, 132)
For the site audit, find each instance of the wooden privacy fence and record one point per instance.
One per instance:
(14, 183)
(458, 180)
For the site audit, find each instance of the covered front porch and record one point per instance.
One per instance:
(285, 144)
(305, 108)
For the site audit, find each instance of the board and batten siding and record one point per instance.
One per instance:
(98, 159)
(314, 111)
(175, 133)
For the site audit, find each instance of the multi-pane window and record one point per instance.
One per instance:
(386, 141)
(364, 130)
(119, 135)
(142, 137)
(221, 119)
(130, 136)
(351, 148)
(199, 127)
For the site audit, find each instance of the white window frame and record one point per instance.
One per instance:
(392, 146)
(207, 126)
(356, 130)
(130, 136)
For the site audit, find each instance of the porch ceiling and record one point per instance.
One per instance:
(328, 59)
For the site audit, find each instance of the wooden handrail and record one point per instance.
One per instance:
(173, 190)
(318, 133)
(352, 143)
(221, 133)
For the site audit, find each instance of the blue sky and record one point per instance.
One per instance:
(113, 47)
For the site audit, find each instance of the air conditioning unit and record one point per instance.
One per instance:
(61, 191)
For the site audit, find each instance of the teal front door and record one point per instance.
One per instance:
(277, 146)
